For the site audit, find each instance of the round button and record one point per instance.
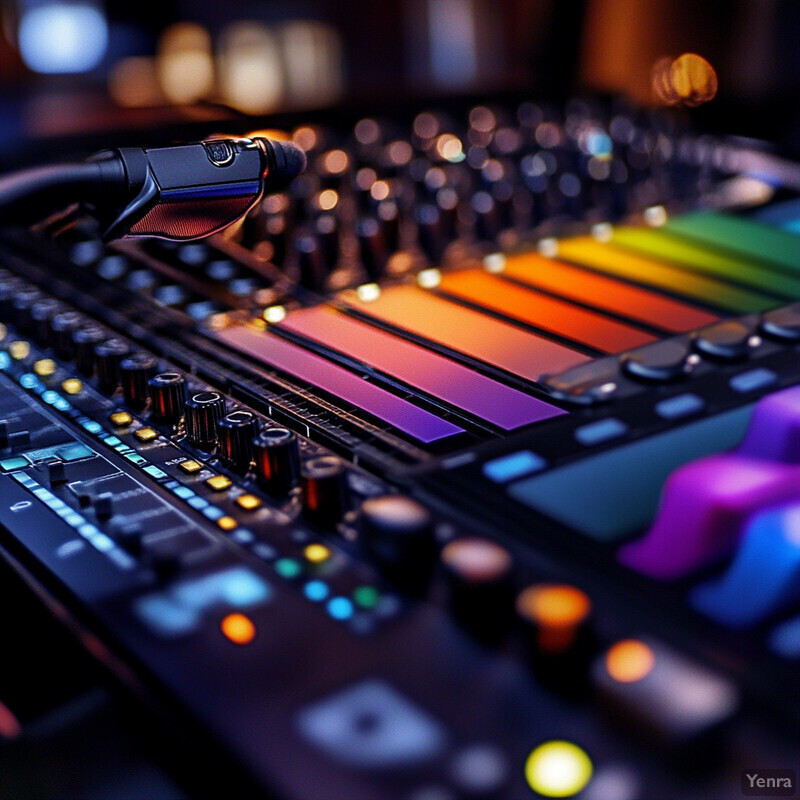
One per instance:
(726, 341)
(782, 323)
(167, 391)
(661, 362)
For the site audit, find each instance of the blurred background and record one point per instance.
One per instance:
(70, 67)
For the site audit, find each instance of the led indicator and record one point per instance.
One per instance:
(316, 591)
(45, 367)
(317, 553)
(366, 596)
(629, 661)
(145, 434)
(72, 386)
(340, 608)
(288, 568)
(218, 483)
(121, 419)
(238, 629)
(558, 769)
(190, 466)
(19, 350)
(227, 523)
(249, 502)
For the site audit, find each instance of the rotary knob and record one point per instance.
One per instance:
(108, 356)
(398, 533)
(62, 327)
(85, 339)
(324, 482)
(277, 457)
(135, 371)
(236, 431)
(167, 392)
(203, 413)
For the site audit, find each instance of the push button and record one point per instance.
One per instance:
(726, 341)
(661, 362)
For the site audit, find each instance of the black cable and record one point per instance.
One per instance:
(180, 192)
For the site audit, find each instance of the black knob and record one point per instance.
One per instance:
(203, 413)
(135, 371)
(398, 533)
(167, 392)
(62, 326)
(430, 231)
(108, 356)
(85, 339)
(313, 265)
(487, 222)
(324, 482)
(41, 314)
(23, 301)
(481, 591)
(277, 457)
(236, 431)
(9, 287)
(372, 247)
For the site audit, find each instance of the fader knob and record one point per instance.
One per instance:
(277, 457)
(398, 533)
(108, 356)
(135, 371)
(167, 392)
(203, 413)
(236, 431)
(85, 339)
(324, 481)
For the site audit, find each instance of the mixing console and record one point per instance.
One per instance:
(466, 467)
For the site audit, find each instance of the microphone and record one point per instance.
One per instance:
(181, 192)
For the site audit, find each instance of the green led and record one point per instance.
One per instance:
(288, 567)
(366, 596)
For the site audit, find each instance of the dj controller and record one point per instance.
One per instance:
(466, 467)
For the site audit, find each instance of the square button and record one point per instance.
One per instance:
(249, 502)
(218, 483)
(190, 466)
(227, 523)
(146, 434)
(121, 419)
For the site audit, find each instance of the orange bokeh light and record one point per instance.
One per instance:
(238, 628)
(629, 661)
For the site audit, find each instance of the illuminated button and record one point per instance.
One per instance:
(218, 483)
(366, 597)
(227, 523)
(238, 628)
(145, 434)
(662, 694)
(558, 769)
(45, 367)
(317, 553)
(249, 502)
(288, 568)
(19, 350)
(190, 466)
(3, 331)
(121, 419)
(72, 385)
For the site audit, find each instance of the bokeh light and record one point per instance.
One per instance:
(688, 80)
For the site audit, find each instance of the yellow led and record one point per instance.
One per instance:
(227, 523)
(145, 434)
(317, 553)
(249, 502)
(190, 466)
(72, 386)
(558, 769)
(44, 367)
(274, 314)
(19, 350)
(121, 419)
(218, 483)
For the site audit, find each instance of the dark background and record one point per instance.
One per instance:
(368, 52)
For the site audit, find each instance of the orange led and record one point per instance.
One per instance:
(629, 661)
(238, 628)
(249, 502)
(145, 434)
(227, 523)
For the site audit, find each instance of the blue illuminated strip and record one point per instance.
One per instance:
(222, 190)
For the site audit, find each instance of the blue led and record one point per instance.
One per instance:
(316, 591)
(88, 531)
(184, 492)
(136, 458)
(50, 397)
(515, 465)
(213, 513)
(340, 608)
(92, 426)
(198, 502)
(240, 587)
(61, 404)
(5, 361)
(74, 519)
(242, 536)
(30, 381)
(752, 380)
(112, 441)
(155, 472)
(102, 542)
